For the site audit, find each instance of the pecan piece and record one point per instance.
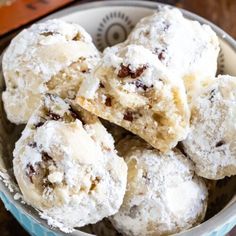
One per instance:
(138, 72)
(108, 102)
(125, 71)
(128, 116)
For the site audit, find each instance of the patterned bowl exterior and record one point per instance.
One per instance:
(218, 225)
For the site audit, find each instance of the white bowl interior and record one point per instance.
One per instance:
(109, 23)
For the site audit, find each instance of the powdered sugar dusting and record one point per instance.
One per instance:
(185, 47)
(54, 223)
(157, 185)
(38, 54)
(211, 143)
(68, 168)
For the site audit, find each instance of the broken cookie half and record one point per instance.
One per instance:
(66, 165)
(131, 88)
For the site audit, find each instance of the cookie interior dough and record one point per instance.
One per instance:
(131, 88)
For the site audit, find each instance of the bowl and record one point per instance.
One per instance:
(109, 22)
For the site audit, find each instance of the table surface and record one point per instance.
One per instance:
(221, 12)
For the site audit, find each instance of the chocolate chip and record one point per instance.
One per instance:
(30, 172)
(108, 102)
(220, 143)
(128, 116)
(46, 157)
(125, 71)
(33, 144)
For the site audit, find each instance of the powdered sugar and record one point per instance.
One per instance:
(38, 54)
(211, 143)
(187, 48)
(163, 196)
(67, 169)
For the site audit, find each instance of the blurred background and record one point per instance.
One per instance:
(16, 14)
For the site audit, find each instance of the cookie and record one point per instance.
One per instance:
(131, 88)
(211, 141)
(53, 56)
(163, 195)
(66, 165)
(186, 47)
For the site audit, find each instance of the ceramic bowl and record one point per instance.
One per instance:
(109, 22)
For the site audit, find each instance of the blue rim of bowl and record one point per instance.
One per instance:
(226, 216)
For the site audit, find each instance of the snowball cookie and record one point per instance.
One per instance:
(163, 195)
(131, 88)
(66, 165)
(211, 142)
(52, 56)
(186, 47)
